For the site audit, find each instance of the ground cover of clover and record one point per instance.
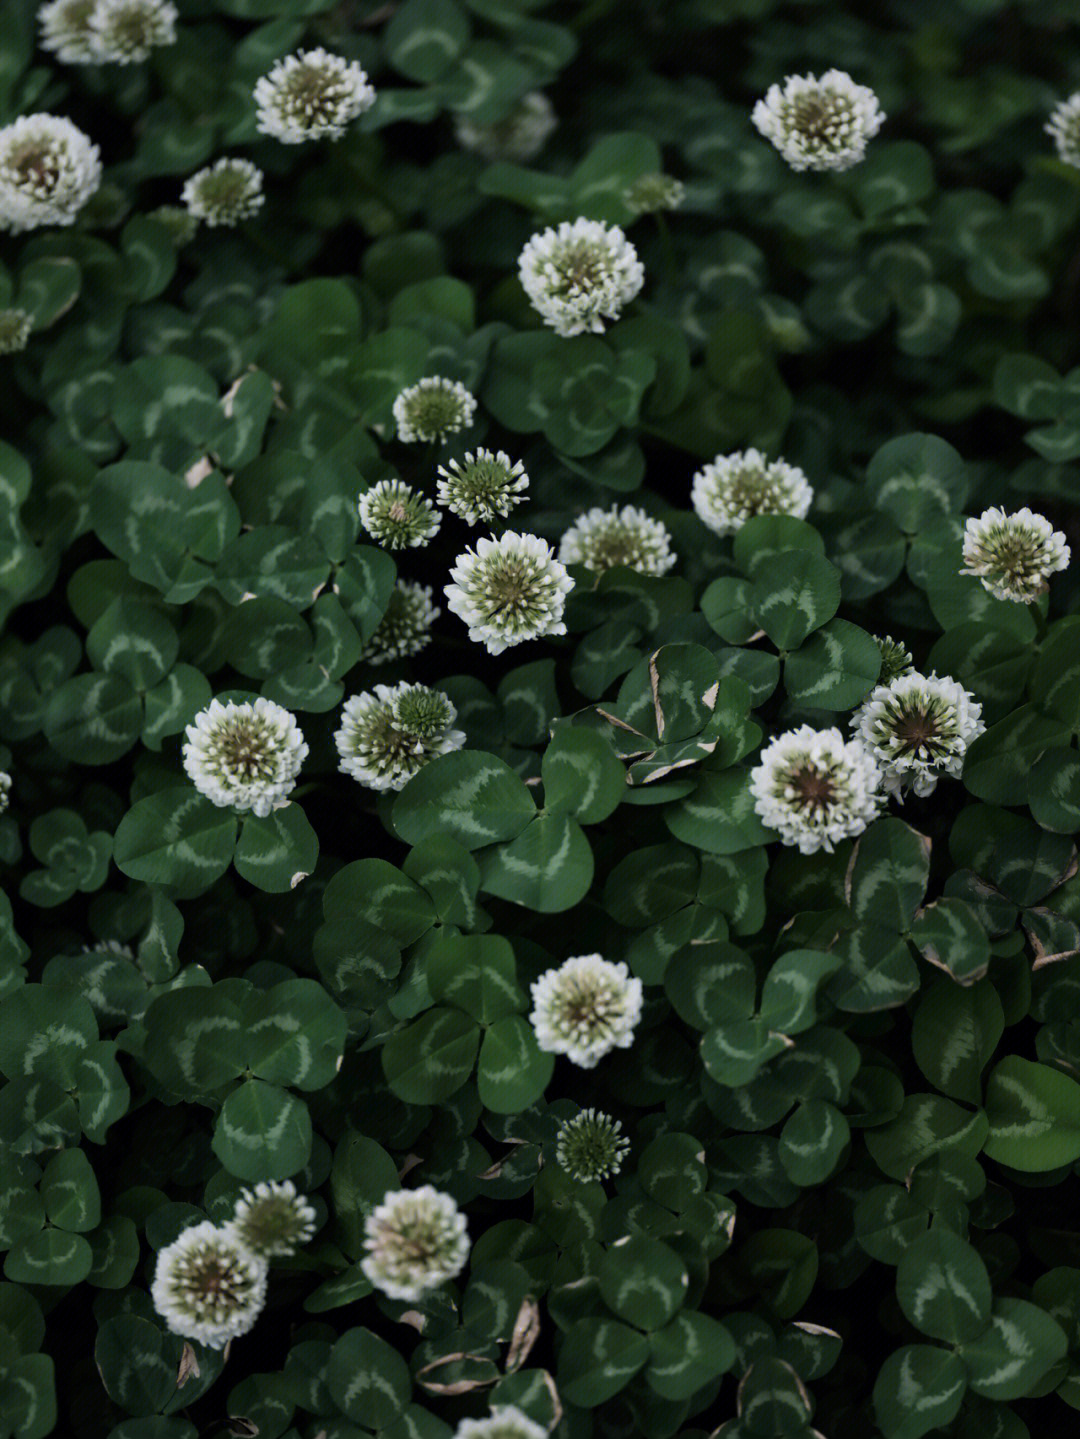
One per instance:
(539, 696)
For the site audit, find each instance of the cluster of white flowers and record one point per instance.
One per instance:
(388, 734)
(224, 193)
(311, 95)
(816, 788)
(731, 488)
(1014, 555)
(585, 1008)
(1064, 128)
(432, 409)
(5, 790)
(506, 1422)
(485, 485)
(405, 628)
(819, 124)
(100, 32)
(210, 1282)
(508, 590)
(518, 136)
(244, 756)
(414, 1241)
(601, 539)
(580, 274)
(918, 728)
(48, 171)
(16, 327)
(396, 516)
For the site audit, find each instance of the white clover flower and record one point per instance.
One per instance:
(124, 32)
(518, 137)
(208, 1286)
(1014, 555)
(405, 628)
(386, 735)
(5, 790)
(272, 1219)
(731, 488)
(591, 1146)
(16, 327)
(508, 590)
(1064, 127)
(395, 515)
(602, 539)
(48, 171)
(819, 124)
(815, 788)
(415, 1240)
(895, 658)
(432, 409)
(65, 30)
(506, 1422)
(918, 728)
(245, 756)
(580, 274)
(585, 1008)
(484, 486)
(310, 96)
(225, 193)
(652, 193)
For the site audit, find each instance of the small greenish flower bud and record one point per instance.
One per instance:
(405, 628)
(272, 1219)
(225, 193)
(483, 486)
(895, 659)
(16, 327)
(652, 193)
(591, 1146)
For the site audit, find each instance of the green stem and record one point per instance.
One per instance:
(667, 248)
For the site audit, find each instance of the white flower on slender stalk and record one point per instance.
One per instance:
(415, 1241)
(728, 490)
(895, 658)
(245, 756)
(1064, 128)
(65, 30)
(506, 1422)
(1014, 555)
(16, 327)
(508, 590)
(580, 274)
(5, 790)
(208, 1286)
(432, 409)
(485, 485)
(225, 193)
(387, 734)
(816, 788)
(272, 1219)
(48, 171)
(919, 728)
(591, 1146)
(518, 137)
(652, 193)
(405, 627)
(819, 124)
(601, 539)
(311, 95)
(585, 1008)
(124, 32)
(395, 515)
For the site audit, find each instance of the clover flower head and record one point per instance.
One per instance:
(816, 788)
(272, 1219)
(415, 1240)
(387, 734)
(580, 274)
(396, 516)
(918, 728)
(311, 95)
(483, 486)
(225, 193)
(654, 192)
(819, 124)
(518, 136)
(65, 30)
(5, 790)
(432, 409)
(405, 627)
(16, 327)
(508, 590)
(585, 1008)
(601, 539)
(1063, 127)
(180, 223)
(506, 1422)
(591, 1146)
(895, 658)
(1014, 555)
(48, 171)
(124, 32)
(208, 1286)
(244, 756)
(728, 490)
